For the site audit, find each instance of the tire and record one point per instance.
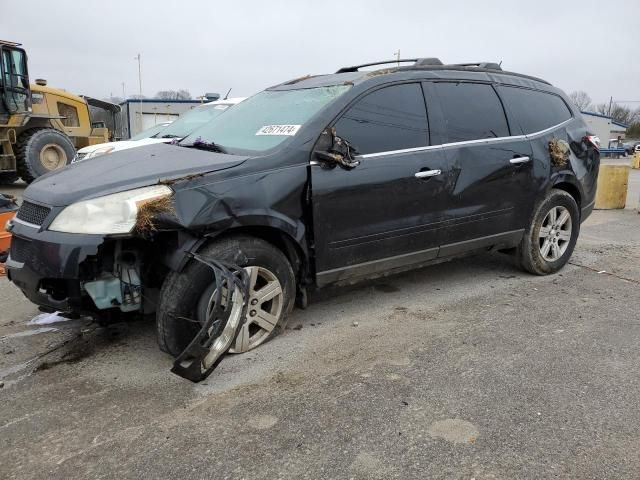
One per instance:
(8, 178)
(530, 252)
(42, 150)
(185, 295)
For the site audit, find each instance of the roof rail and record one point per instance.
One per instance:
(487, 65)
(415, 61)
(11, 44)
(424, 62)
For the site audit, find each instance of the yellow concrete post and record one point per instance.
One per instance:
(612, 186)
(635, 161)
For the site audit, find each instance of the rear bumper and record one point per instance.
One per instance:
(45, 265)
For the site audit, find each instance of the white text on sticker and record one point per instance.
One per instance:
(288, 130)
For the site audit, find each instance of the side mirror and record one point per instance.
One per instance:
(340, 152)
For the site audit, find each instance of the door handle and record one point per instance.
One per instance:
(427, 173)
(519, 160)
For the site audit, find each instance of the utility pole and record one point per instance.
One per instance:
(610, 102)
(137, 57)
(397, 54)
(124, 96)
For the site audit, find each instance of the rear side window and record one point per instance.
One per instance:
(392, 118)
(471, 111)
(533, 110)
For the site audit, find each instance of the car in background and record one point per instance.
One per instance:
(151, 132)
(183, 126)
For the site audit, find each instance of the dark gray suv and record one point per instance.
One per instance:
(318, 180)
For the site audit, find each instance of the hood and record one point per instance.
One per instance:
(125, 170)
(124, 144)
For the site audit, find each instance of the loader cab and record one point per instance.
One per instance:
(15, 94)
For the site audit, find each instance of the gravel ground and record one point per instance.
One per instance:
(470, 369)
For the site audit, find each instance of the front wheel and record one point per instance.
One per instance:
(187, 297)
(549, 240)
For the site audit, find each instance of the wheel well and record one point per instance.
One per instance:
(571, 190)
(280, 240)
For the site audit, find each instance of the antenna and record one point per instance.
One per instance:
(227, 95)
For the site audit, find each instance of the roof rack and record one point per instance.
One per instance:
(415, 61)
(11, 44)
(423, 62)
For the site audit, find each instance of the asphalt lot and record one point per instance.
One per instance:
(470, 369)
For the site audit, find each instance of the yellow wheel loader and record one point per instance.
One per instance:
(41, 127)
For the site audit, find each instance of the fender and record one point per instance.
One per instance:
(292, 237)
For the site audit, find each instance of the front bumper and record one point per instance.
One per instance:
(46, 265)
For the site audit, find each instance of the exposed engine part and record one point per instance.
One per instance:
(120, 288)
(222, 325)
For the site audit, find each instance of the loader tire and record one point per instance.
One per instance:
(8, 178)
(42, 150)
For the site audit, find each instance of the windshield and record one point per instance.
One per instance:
(193, 119)
(266, 119)
(149, 132)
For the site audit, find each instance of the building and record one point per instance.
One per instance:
(138, 115)
(605, 127)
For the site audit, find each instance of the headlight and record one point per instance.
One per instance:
(115, 213)
(100, 151)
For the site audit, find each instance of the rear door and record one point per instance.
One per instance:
(488, 180)
(379, 215)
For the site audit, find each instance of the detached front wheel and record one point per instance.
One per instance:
(188, 297)
(551, 237)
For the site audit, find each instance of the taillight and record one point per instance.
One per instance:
(593, 140)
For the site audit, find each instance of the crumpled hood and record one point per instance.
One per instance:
(125, 170)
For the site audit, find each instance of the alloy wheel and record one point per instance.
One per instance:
(555, 233)
(265, 306)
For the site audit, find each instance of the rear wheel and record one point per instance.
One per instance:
(187, 297)
(43, 150)
(551, 237)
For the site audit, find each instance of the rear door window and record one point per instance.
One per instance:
(471, 111)
(391, 118)
(533, 110)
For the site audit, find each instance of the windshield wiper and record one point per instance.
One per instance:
(170, 136)
(202, 145)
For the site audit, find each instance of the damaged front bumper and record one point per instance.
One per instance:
(73, 273)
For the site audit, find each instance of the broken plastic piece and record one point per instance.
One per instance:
(341, 151)
(222, 325)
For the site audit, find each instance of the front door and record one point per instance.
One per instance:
(384, 213)
(489, 166)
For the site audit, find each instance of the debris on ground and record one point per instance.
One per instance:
(48, 318)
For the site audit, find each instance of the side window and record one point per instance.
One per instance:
(471, 111)
(392, 118)
(14, 68)
(70, 113)
(533, 110)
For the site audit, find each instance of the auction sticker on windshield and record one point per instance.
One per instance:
(288, 130)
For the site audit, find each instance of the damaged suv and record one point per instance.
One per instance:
(319, 180)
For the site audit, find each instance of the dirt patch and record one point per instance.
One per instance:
(454, 430)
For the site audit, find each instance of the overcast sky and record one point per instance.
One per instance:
(88, 47)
